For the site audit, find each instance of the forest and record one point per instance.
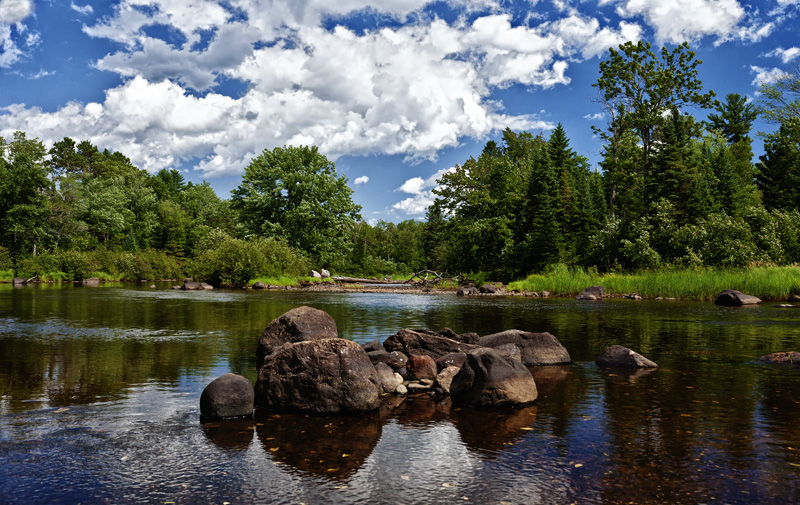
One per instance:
(673, 190)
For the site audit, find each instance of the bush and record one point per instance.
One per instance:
(235, 262)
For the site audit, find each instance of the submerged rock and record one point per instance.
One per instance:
(733, 298)
(297, 325)
(619, 356)
(535, 348)
(789, 357)
(328, 376)
(227, 396)
(488, 379)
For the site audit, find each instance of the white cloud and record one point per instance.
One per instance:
(411, 90)
(594, 117)
(12, 13)
(361, 180)
(786, 55)
(677, 21)
(422, 194)
(82, 9)
(766, 75)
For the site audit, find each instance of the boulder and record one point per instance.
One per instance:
(386, 377)
(324, 274)
(297, 325)
(259, 285)
(394, 359)
(793, 298)
(227, 396)
(545, 294)
(412, 342)
(468, 338)
(467, 291)
(619, 356)
(585, 295)
(93, 282)
(316, 274)
(328, 376)
(455, 359)
(488, 379)
(488, 289)
(598, 291)
(444, 379)
(19, 281)
(422, 367)
(509, 350)
(375, 345)
(733, 298)
(790, 357)
(535, 348)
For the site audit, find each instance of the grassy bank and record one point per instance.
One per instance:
(767, 283)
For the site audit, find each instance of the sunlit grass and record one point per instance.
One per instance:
(6, 275)
(775, 283)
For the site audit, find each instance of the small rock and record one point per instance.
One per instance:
(422, 367)
(619, 356)
(445, 378)
(398, 378)
(790, 357)
(375, 345)
(316, 274)
(401, 390)
(455, 359)
(227, 396)
(417, 386)
(386, 377)
(545, 294)
(259, 285)
(324, 274)
(426, 382)
(733, 298)
(633, 296)
(585, 295)
(598, 291)
(152, 286)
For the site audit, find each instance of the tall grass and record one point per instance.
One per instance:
(769, 283)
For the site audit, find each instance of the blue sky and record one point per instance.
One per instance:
(396, 92)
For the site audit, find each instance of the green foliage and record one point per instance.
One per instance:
(294, 194)
(236, 262)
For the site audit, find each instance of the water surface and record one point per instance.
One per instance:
(100, 393)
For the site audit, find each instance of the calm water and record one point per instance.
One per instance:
(100, 404)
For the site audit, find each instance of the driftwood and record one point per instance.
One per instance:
(357, 280)
(429, 277)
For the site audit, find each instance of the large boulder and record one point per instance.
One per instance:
(297, 325)
(488, 379)
(585, 295)
(535, 348)
(227, 396)
(597, 291)
(93, 282)
(329, 376)
(488, 289)
(733, 298)
(619, 356)
(455, 359)
(19, 281)
(394, 359)
(196, 286)
(467, 338)
(467, 291)
(424, 343)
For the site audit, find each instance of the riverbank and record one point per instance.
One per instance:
(767, 283)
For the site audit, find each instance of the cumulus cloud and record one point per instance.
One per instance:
(361, 180)
(412, 89)
(422, 194)
(786, 55)
(766, 75)
(680, 20)
(594, 117)
(12, 31)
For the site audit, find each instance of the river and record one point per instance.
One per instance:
(100, 404)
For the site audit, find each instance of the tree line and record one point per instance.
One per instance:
(671, 190)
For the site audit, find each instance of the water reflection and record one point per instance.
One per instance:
(330, 447)
(232, 434)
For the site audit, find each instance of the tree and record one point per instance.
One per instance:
(638, 88)
(778, 173)
(735, 117)
(296, 194)
(780, 100)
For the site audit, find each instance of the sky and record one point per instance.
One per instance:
(395, 92)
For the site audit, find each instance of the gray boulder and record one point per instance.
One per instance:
(597, 291)
(18, 281)
(92, 282)
(227, 396)
(585, 295)
(196, 286)
(733, 298)
(316, 274)
(297, 325)
(488, 379)
(324, 274)
(488, 289)
(467, 291)
(619, 356)
(535, 348)
(415, 342)
(375, 345)
(386, 377)
(394, 359)
(329, 376)
(259, 285)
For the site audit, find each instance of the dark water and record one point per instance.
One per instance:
(100, 404)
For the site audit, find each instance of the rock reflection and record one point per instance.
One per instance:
(618, 375)
(547, 377)
(422, 410)
(489, 432)
(232, 435)
(330, 447)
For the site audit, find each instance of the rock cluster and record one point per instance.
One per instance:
(304, 366)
